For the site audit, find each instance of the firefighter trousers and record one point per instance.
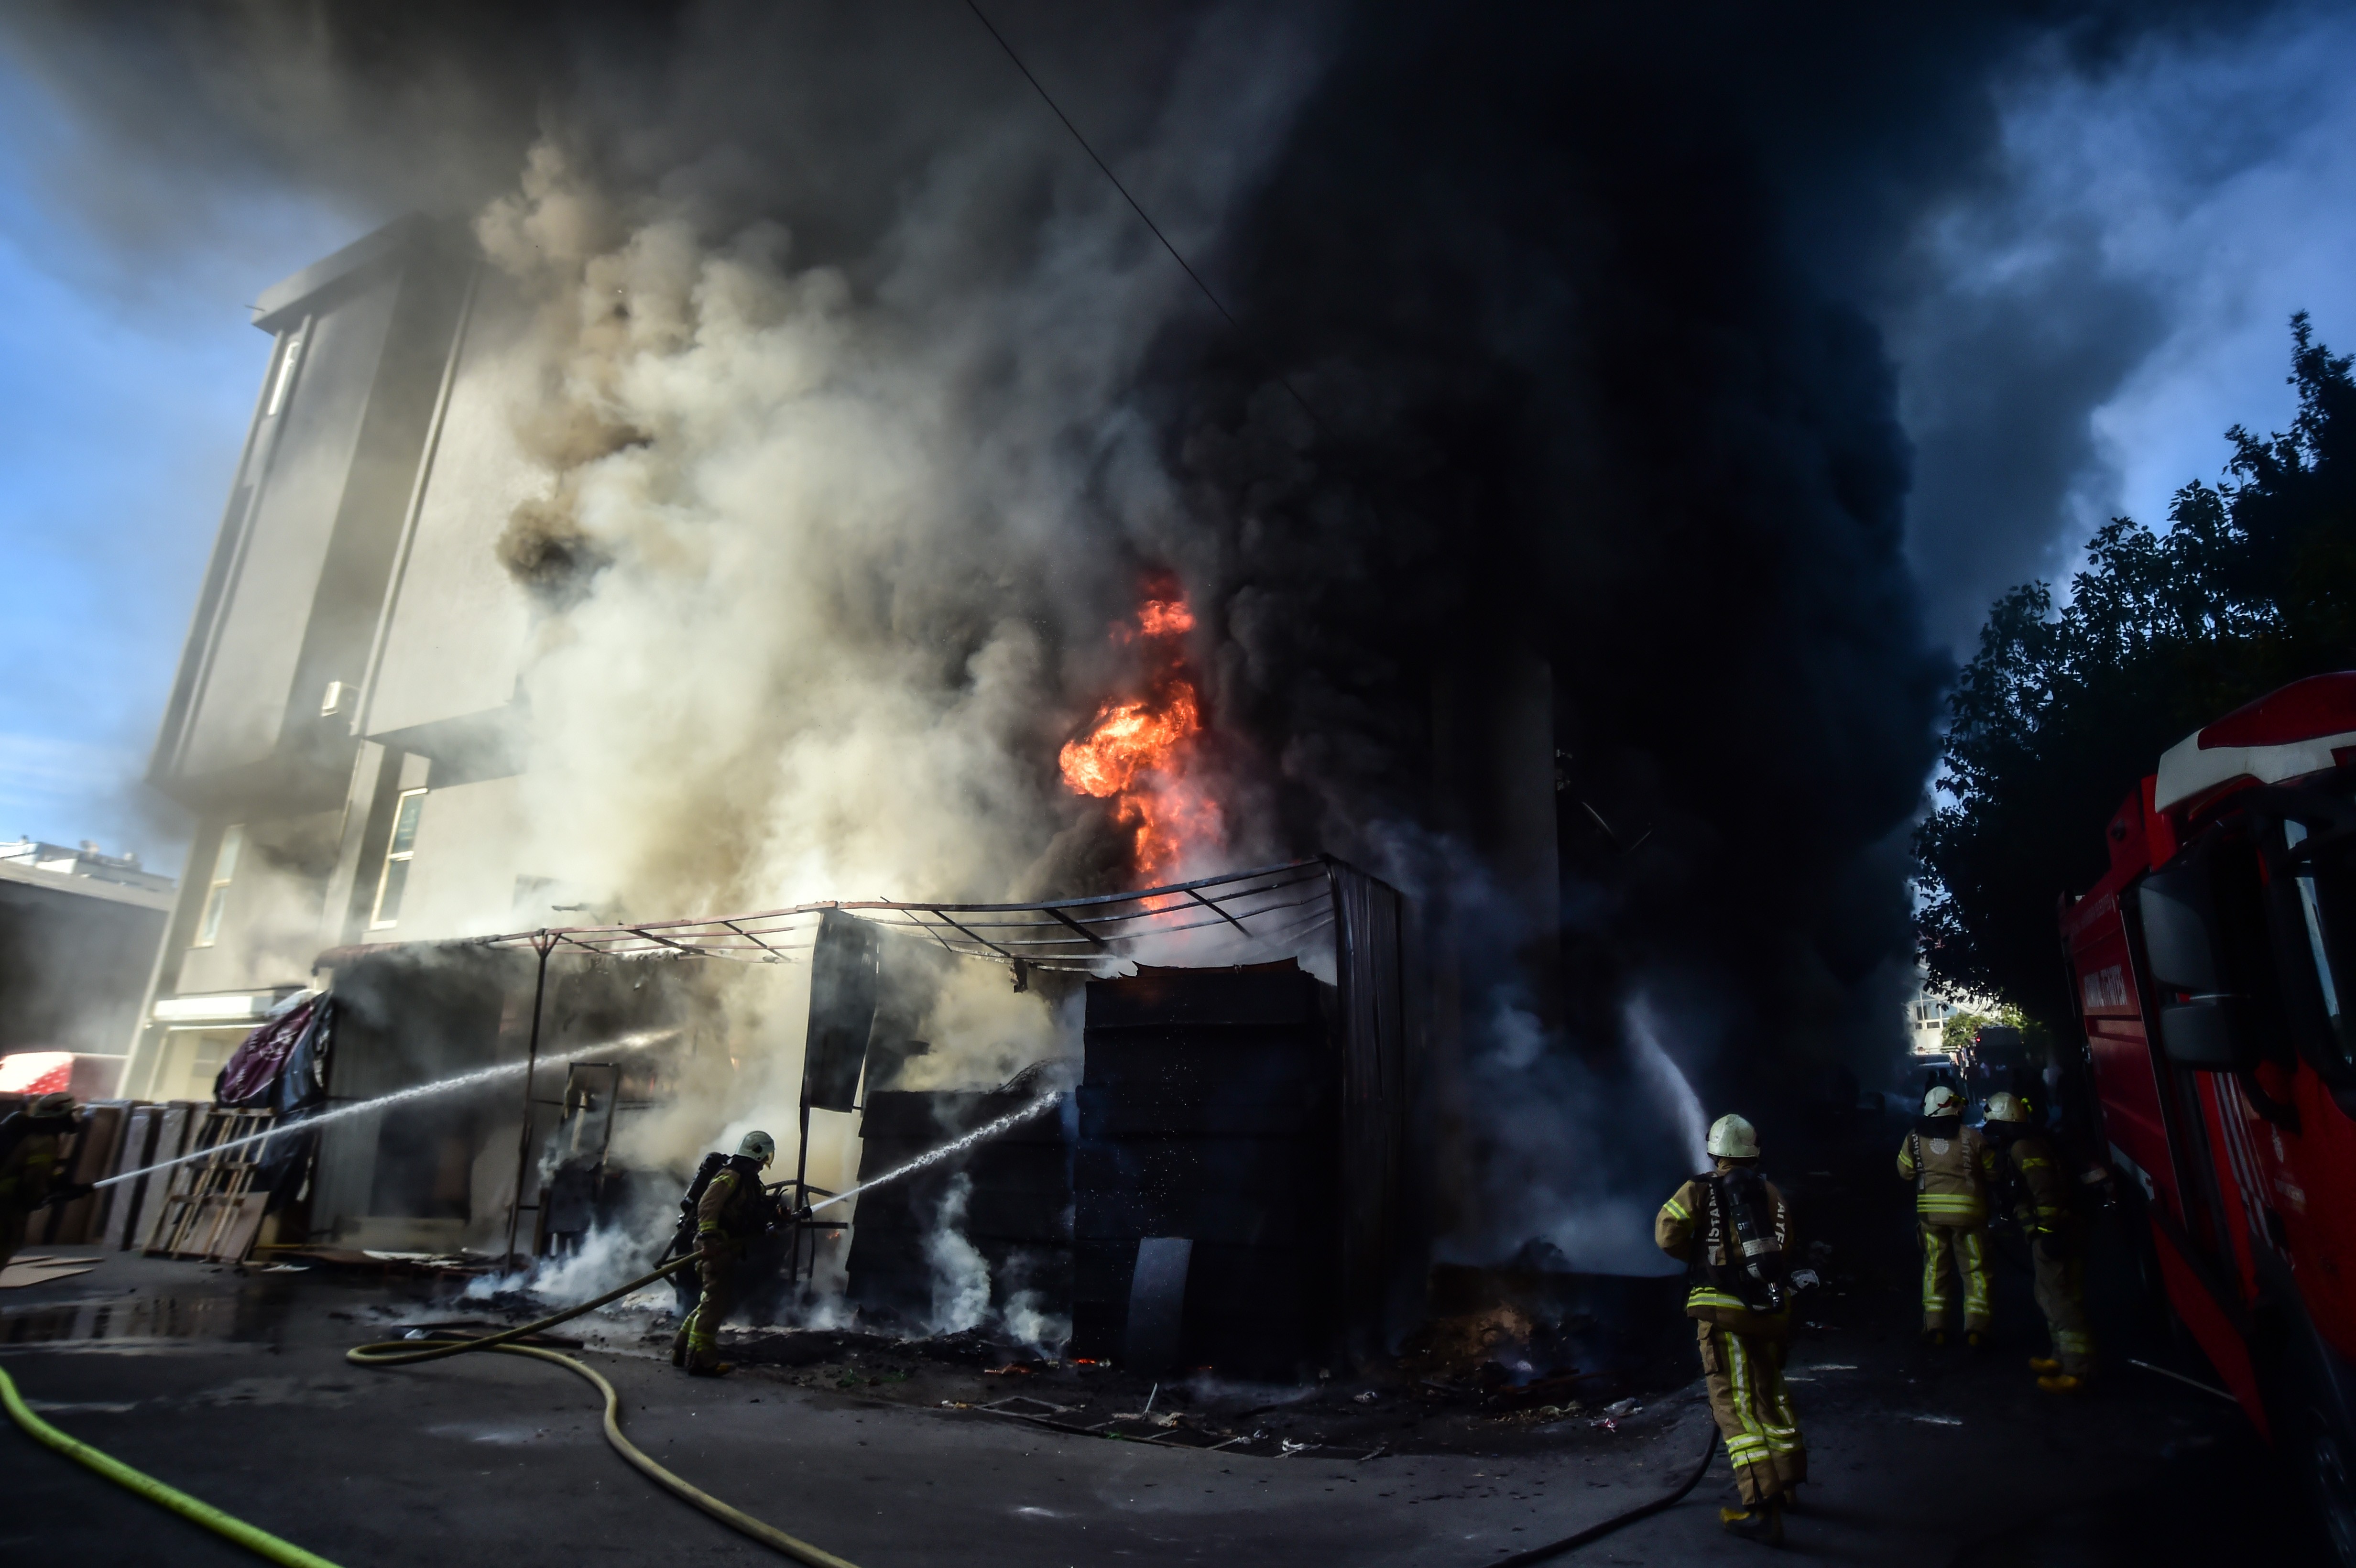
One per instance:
(719, 1276)
(2060, 1267)
(1744, 1373)
(1966, 1246)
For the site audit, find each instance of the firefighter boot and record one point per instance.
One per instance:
(1761, 1522)
(679, 1346)
(2044, 1366)
(2061, 1383)
(1975, 1339)
(1934, 1338)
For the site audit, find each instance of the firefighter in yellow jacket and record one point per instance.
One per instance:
(2042, 1208)
(1732, 1228)
(731, 1212)
(1952, 1166)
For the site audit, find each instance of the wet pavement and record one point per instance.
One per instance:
(232, 1386)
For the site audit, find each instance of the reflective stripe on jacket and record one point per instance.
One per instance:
(2045, 1207)
(1673, 1232)
(1952, 1166)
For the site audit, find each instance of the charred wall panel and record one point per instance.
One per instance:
(1015, 1198)
(408, 1015)
(842, 998)
(1209, 1110)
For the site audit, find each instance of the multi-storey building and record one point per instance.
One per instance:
(342, 720)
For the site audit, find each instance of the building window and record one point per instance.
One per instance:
(397, 856)
(285, 379)
(224, 872)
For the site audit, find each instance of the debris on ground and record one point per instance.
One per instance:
(38, 1268)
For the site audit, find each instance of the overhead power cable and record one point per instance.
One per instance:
(1146, 218)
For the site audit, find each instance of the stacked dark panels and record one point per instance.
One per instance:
(1208, 1111)
(1016, 1201)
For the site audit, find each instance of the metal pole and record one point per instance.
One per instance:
(801, 1184)
(531, 1066)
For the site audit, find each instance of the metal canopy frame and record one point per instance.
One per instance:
(1269, 904)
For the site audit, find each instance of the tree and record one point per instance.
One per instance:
(1962, 1029)
(2061, 712)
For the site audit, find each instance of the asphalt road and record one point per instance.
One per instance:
(232, 1387)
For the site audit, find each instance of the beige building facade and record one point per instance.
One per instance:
(344, 720)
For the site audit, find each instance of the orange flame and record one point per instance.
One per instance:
(1128, 737)
(1137, 753)
(1164, 617)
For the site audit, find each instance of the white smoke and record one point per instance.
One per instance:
(960, 1274)
(1027, 1323)
(606, 1258)
(826, 556)
(863, 537)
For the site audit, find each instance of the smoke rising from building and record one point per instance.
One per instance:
(1551, 489)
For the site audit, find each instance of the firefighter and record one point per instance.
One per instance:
(2039, 1195)
(732, 1211)
(32, 1166)
(1952, 1166)
(1743, 1319)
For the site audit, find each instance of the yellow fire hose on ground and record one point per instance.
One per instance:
(407, 1352)
(250, 1537)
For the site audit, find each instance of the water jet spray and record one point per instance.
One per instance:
(636, 1042)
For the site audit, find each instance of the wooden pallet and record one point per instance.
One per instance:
(212, 1210)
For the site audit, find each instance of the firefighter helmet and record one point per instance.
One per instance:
(759, 1147)
(2004, 1107)
(1731, 1138)
(1941, 1101)
(52, 1105)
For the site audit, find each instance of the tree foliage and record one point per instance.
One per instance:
(1962, 1029)
(2061, 712)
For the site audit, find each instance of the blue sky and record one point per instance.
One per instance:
(2075, 332)
(2085, 319)
(127, 374)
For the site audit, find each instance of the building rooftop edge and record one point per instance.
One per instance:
(368, 249)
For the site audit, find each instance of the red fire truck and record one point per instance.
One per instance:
(2215, 972)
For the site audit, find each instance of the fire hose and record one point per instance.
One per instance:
(1598, 1531)
(252, 1537)
(408, 1352)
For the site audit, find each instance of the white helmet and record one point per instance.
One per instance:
(1941, 1101)
(2005, 1107)
(1731, 1138)
(760, 1147)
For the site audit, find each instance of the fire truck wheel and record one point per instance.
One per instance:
(2312, 1431)
(2335, 1488)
